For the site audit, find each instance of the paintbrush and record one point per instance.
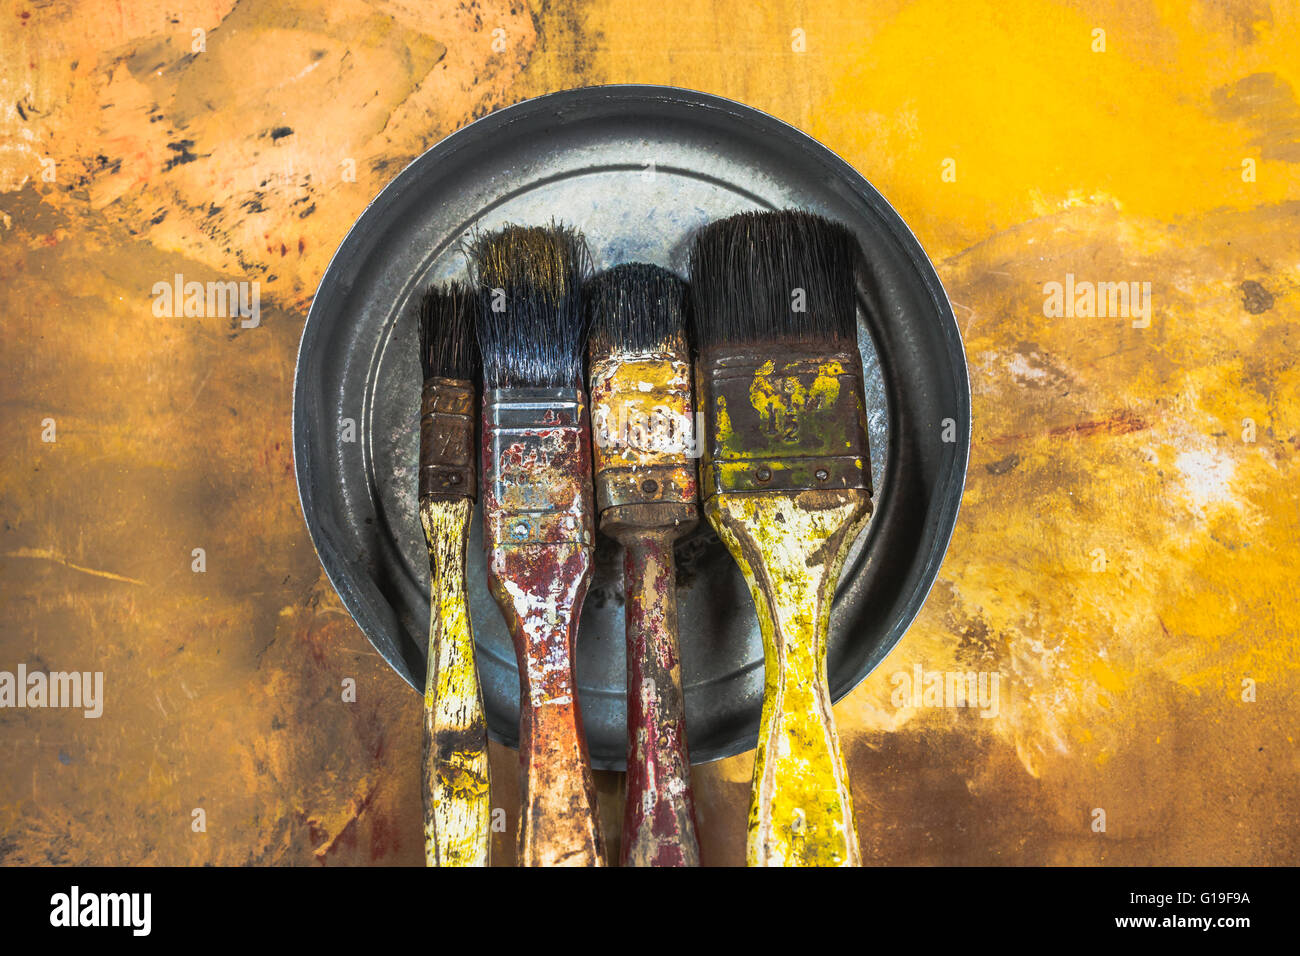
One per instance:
(456, 799)
(644, 431)
(537, 517)
(786, 482)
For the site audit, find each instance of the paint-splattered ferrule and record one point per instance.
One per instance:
(447, 448)
(789, 419)
(536, 467)
(643, 430)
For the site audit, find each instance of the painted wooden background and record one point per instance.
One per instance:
(1125, 565)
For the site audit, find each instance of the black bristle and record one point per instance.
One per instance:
(745, 271)
(636, 308)
(448, 348)
(532, 327)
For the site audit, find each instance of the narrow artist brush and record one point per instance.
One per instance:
(456, 805)
(643, 420)
(537, 517)
(786, 483)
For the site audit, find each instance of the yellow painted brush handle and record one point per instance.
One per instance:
(457, 810)
(790, 547)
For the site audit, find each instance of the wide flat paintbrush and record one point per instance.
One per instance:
(456, 798)
(537, 517)
(643, 418)
(786, 483)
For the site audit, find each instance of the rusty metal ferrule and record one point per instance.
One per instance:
(447, 425)
(643, 431)
(536, 467)
(792, 423)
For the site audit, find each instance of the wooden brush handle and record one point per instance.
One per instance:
(540, 589)
(790, 547)
(659, 817)
(457, 809)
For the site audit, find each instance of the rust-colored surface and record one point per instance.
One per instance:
(1155, 681)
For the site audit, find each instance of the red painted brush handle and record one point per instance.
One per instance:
(659, 819)
(558, 825)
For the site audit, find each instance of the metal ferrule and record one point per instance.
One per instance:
(447, 440)
(791, 422)
(643, 431)
(536, 467)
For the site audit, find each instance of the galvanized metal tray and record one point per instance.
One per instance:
(638, 169)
